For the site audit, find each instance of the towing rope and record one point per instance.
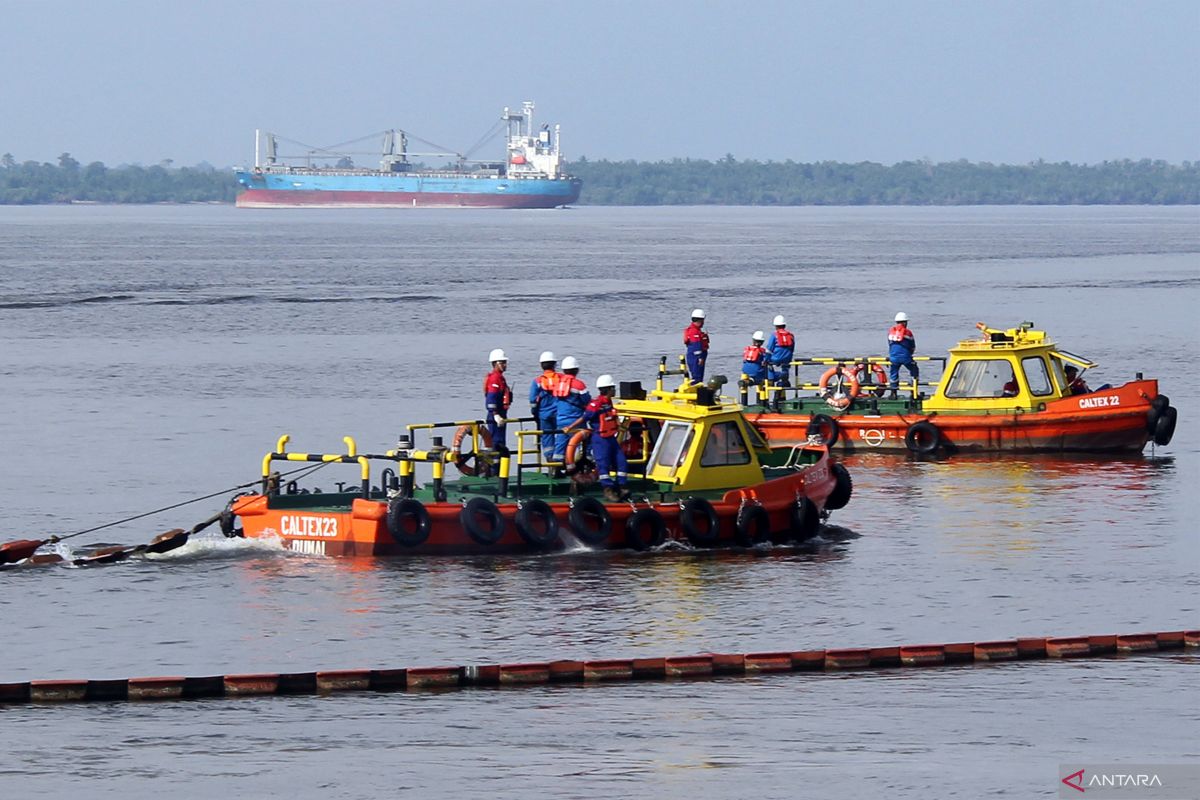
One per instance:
(587, 672)
(20, 550)
(173, 506)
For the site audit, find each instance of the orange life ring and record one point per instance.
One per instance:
(877, 374)
(848, 383)
(573, 446)
(574, 449)
(471, 463)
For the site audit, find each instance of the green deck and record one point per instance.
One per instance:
(532, 484)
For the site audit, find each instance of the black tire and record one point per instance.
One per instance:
(408, 521)
(590, 521)
(228, 520)
(228, 523)
(840, 495)
(537, 524)
(753, 526)
(644, 529)
(1157, 406)
(824, 426)
(1165, 428)
(806, 519)
(700, 522)
(490, 528)
(923, 438)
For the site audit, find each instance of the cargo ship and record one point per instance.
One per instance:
(531, 176)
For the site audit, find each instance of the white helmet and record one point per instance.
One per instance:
(698, 313)
(604, 381)
(570, 363)
(779, 320)
(497, 355)
(547, 356)
(758, 336)
(902, 317)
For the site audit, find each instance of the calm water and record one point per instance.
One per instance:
(152, 355)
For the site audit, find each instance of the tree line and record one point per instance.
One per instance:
(788, 183)
(726, 181)
(30, 183)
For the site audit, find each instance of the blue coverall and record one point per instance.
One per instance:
(779, 359)
(601, 417)
(901, 346)
(571, 399)
(542, 406)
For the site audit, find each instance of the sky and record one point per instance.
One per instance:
(131, 81)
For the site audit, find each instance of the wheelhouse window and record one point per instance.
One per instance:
(1036, 375)
(982, 378)
(725, 446)
(672, 447)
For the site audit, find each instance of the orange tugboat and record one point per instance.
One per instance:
(699, 472)
(1005, 391)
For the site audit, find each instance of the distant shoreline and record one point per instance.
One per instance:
(687, 182)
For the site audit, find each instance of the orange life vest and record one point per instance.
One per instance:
(606, 417)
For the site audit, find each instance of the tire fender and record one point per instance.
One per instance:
(645, 529)
(408, 521)
(537, 524)
(699, 521)
(923, 438)
(488, 530)
(590, 521)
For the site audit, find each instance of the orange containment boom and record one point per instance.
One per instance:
(603, 670)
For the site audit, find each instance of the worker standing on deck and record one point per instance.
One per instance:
(695, 340)
(571, 399)
(601, 417)
(901, 346)
(542, 404)
(497, 397)
(754, 358)
(780, 347)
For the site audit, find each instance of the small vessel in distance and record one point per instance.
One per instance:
(531, 176)
(1006, 391)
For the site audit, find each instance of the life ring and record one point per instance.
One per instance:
(842, 489)
(471, 463)
(753, 525)
(590, 520)
(699, 521)
(482, 521)
(574, 444)
(847, 386)
(872, 377)
(408, 521)
(1164, 429)
(806, 519)
(644, 529)
(581, 469)
(824, 426)
(537, 524)
(923, 438)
